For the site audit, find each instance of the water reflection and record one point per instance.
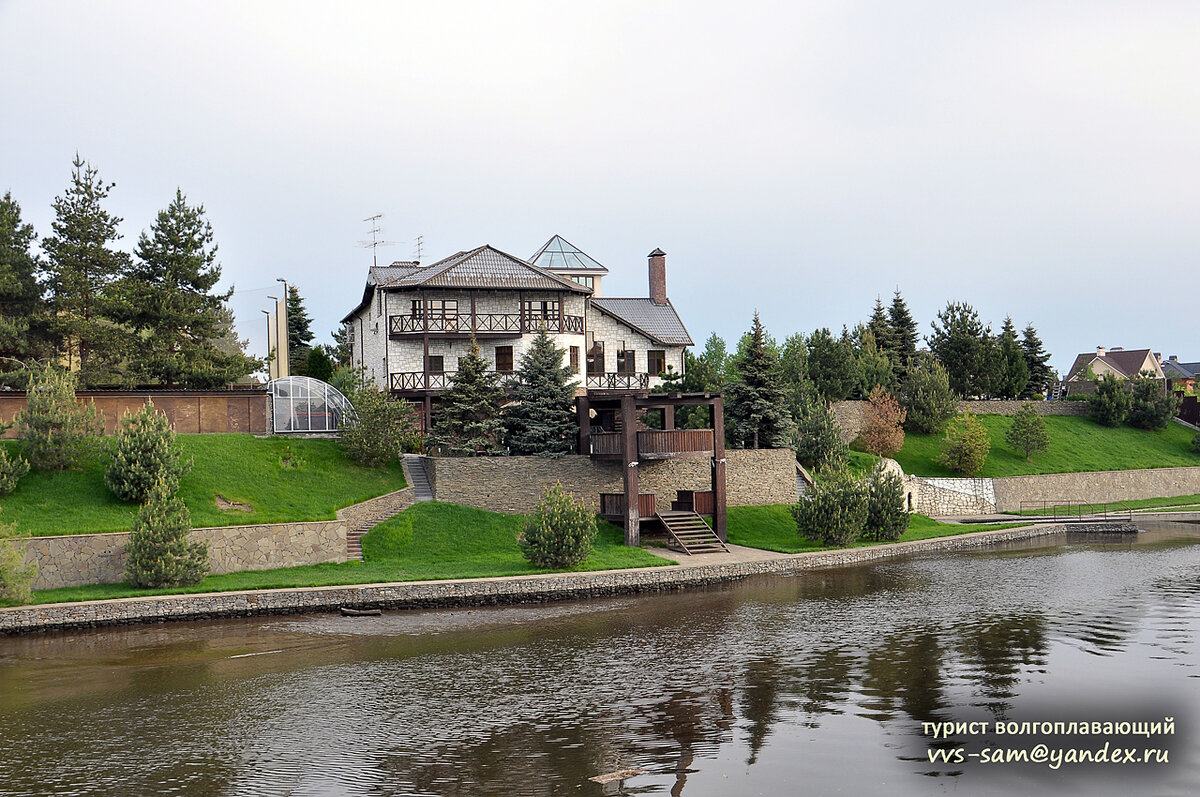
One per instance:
(822, 679)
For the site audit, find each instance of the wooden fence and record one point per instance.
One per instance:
(189, 411)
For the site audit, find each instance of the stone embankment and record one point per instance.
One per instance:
(483, 591)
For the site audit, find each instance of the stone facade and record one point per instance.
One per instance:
(514, 484)
(851, 416)
(936, 497)
(475, 592)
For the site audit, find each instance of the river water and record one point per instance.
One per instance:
(809, 685)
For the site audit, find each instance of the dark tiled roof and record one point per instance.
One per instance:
(559, 254)
(386, 275)
(1128, 362)
(482, 267)
(656, 321)
(1177, 370)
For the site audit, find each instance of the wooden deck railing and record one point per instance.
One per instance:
(617, 381)
(652, 443)
(612, 505)
(465, 323)
(420, 380)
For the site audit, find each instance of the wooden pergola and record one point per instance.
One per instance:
(631, 446)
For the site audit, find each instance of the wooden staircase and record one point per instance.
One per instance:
(687, 532)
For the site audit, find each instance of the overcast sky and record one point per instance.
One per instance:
(1035, 159)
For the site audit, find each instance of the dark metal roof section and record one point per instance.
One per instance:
(658, 322)
(482, 267)
(1177, 370)
(559, 254)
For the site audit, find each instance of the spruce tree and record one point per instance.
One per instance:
(819, 443)
(542, 419)
(926, 395)
(82, 270)
(964, 345)
(755, 405)
(341, 346)
(1014, 373)
(872, 367)
(299, 330)
(169, 303)
(144, 453)
(881, 328)
(23, 318)
(793, 370)
(831, 365)
(468, 421)
(904, 333)
(1036, 362)
(159, 554)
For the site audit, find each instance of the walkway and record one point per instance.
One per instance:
(414, 473)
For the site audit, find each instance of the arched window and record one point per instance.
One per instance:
(301, 404)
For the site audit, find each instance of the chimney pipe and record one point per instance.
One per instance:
(1099, 351)
(658, 276)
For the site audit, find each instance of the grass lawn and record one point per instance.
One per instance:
(426, 541)
(1076, 444)
(773, 529)
(248, 470)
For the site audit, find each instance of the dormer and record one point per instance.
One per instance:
(563, 258)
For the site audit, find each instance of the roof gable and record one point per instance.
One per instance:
(484, 267)
(658, 322)
(559, 254)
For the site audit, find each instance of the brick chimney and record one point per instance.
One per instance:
(658, 276)
(1099, 351)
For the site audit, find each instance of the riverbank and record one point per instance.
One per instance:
(491, 591)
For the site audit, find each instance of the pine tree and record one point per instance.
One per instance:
(1027, 432)
(756, 406)
(872, 367)
(168, 302)
(542, 419)
(82, 270)
(144, 453)
(793, 371)
(966, 348)
(341, 345)
(830, 366)
(1014, 372)
(159, 554)
(468, 421)
(23, 319)
(16, 577)
(55, 429)
(926, 396)
(1111, 402)
(1036, 362)
(904, 333)
(819, 443)
(300, 334)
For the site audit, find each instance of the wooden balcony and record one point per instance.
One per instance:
(612, 506)
(617, 381)
(424, 382)
(481, 325)
(656, 444)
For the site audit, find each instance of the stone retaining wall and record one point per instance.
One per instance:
(851, 415)
(514, 484)
(936, 497)
(472, 592)
(1096, 487)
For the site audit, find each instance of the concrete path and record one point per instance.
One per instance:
(414, 472)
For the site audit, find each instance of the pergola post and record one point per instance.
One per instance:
(629, 455)
(718, 468)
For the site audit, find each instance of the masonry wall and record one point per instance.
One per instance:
(514, 484)
(851, 416)
(1097, 487)
(190, 412)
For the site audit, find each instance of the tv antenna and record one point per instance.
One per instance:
(418, 247)
(375, 242)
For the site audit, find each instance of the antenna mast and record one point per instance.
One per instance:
(419, 247)
(375, 241)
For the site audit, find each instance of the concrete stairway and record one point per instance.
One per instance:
(414, 471)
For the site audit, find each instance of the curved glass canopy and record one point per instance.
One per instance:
(302, 404)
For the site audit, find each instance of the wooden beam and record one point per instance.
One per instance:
(630, 468)
(718, 469)
(669, 416)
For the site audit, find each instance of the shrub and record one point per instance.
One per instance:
(560, 532)
(11, 471)
(927, 397)
(819, 438)
(834, 511)
(1152, 407)
(1027, 432)
(159, 552)
(966, 445)
(1196, 443)
(55, 428)
(16, 577)
(1110, 404)
(887, 518)
(144, 451)
(381, 430)
(884, 434)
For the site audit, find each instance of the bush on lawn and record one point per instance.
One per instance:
(159, 552)
(887, 518)
(144, 451)
(966, 445)
(1111, 402)
(1196, 443)
(381, 430)
(834, 511)
(56, 430)
(11, 471)
(1027, 432)
(560, 532)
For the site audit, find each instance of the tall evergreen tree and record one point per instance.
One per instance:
(872, 367)
(468, 421)
(965, 347)
(82, 270)
(1037, 362)
(756, 406)
(341, 345)
(831, 365)
(169, 304)
(881, 328)
(793, 370)
(1014, 373)
(542, 419)
(904, 333)
(22, 306)
(299, 330)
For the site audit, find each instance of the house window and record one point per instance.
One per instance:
(595, 358)
(504, 359)
(443, 308)
(626, 361)
(414, 308)
(540, 309)
(656, 361)
(575, 359)
(435, 364)
(587, 282)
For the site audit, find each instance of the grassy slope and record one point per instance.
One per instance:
(773, 529)
(426, 541)
(1076, 444)
(240, 468)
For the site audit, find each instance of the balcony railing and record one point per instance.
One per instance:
(617, 381)
(655, 443)
(482, 323)
(421, 380)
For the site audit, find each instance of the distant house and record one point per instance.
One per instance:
(1121, 363)
(1180, 376)
(414, 321)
